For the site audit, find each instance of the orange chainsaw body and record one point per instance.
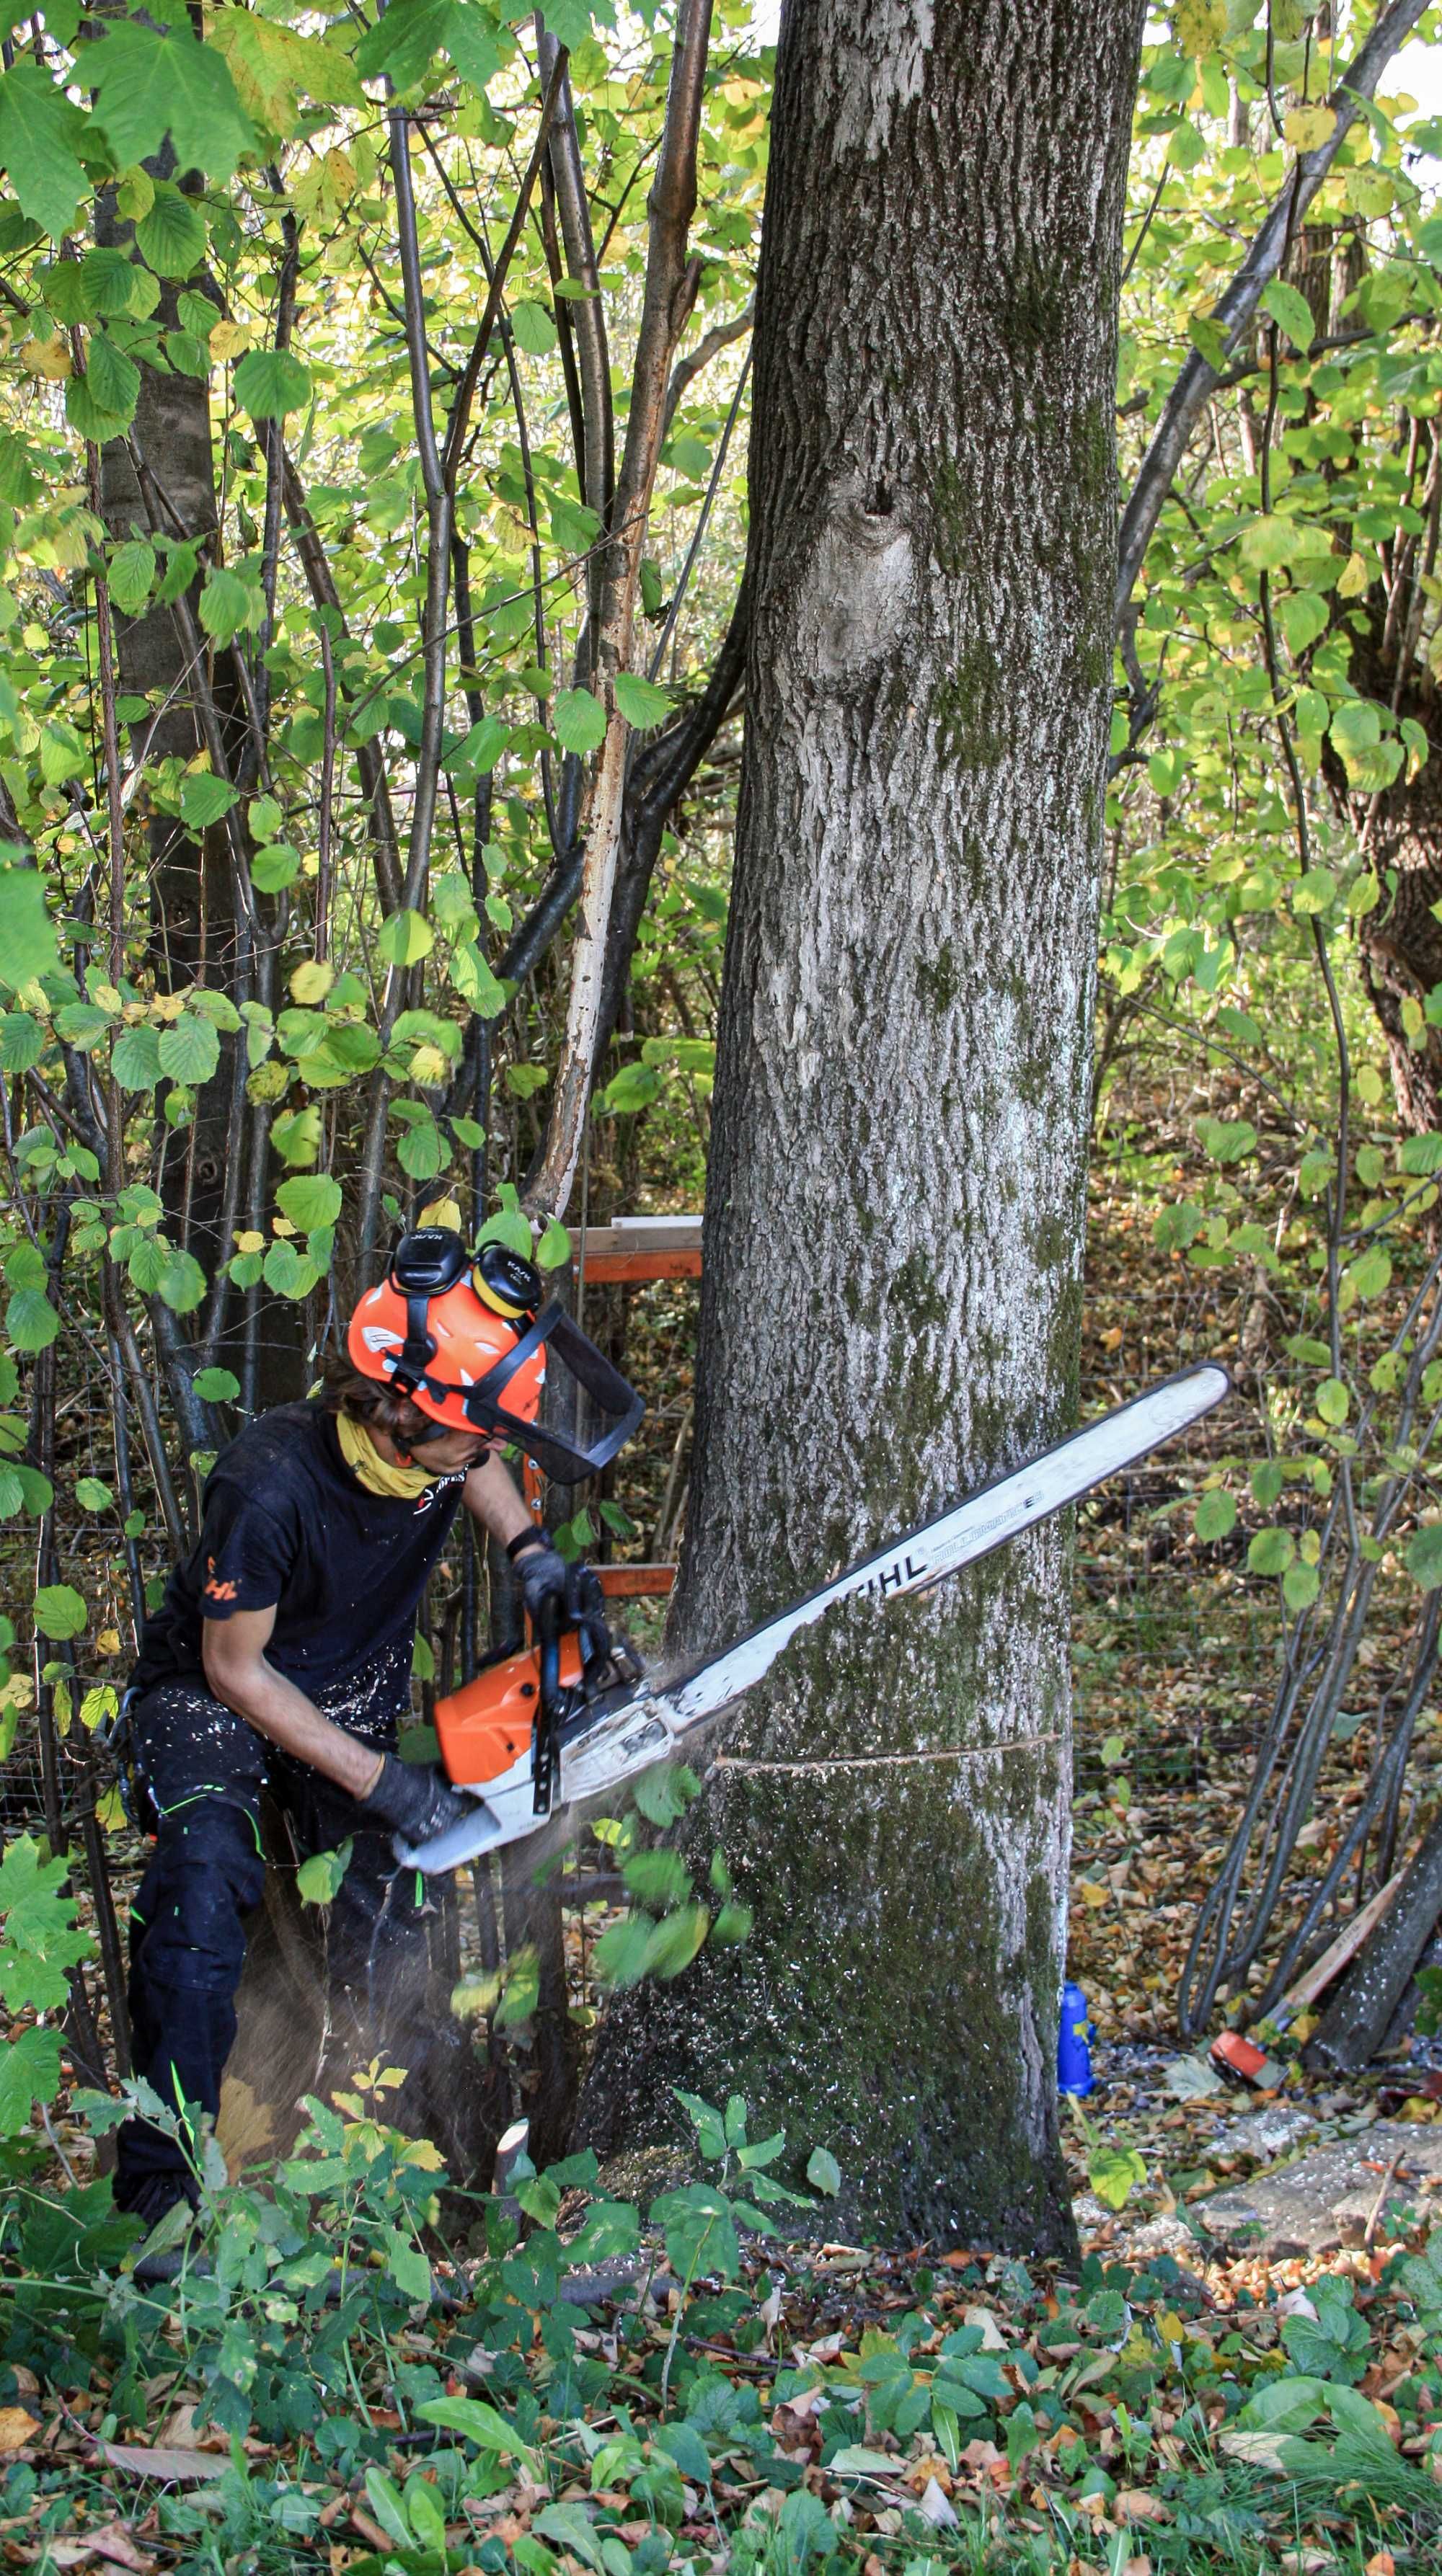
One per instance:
(483, 1729)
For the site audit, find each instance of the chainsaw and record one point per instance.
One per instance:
(573, 1715)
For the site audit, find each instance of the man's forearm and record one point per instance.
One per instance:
(277, 1710)
(492, 1499)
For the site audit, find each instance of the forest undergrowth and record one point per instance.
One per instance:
(361, 2376)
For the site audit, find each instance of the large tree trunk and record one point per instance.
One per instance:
(896, 1196)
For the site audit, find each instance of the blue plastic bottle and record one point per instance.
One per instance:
(1073, 2056)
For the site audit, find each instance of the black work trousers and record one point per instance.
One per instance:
(203, 1770)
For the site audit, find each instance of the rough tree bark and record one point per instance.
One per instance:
(896, 1195)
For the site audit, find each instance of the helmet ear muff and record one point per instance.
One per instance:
(424, 1265)
(506, 1281)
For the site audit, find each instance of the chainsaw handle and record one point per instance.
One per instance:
(548, 1636)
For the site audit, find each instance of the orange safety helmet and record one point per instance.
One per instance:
(459, 1334)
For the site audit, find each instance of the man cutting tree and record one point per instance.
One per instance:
(280, 1656)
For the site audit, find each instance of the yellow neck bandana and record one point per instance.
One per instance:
(378, 1474)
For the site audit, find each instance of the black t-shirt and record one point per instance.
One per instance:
(286, 1522)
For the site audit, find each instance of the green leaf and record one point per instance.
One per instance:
(634, 1087)
(1316, 892)
(102, 402)
(131, 572)
(404, 938)
(311, 1201)
(172, 236)
(181, 1282)
(135, 1058)
(402, 42)
(270, 382)
(823, 2172)
(288, 1272)
(641, 703)
(619, 1957)
(1227, 1140)
(578, 720)
(1424, 1556)
(1291, 309)
(39, 1937)
(535, 332)
(189, 1049)
(422, 1151)
(29, 2072)
(225, 606)
(1271, 1551)
(27, 937)
(554, 1247)
(570, 2527)
(216, 1385)
(1216, 1514)
(1333, 1401)
(41, 133)
(22, 1041)
(475, 982)
(1302, 616)
(478, 2423)
(657, 1878)
(148, 86)
(81, 1025)
(60, 1611)
(1300, 1586)
(1114, 2173)
(31, 1322)
(92, 1495)
(318, 1879)
(274, 867)
(481, 750)
(676, 1939)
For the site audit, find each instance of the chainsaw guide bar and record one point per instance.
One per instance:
(486, 1730)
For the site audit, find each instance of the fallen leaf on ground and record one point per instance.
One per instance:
(142, 2460)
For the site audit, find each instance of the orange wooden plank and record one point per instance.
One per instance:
(635, 1582)
(605, 1269)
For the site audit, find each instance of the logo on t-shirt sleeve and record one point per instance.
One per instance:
(215, 1589)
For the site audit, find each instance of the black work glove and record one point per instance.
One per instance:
(416, 1800)
(542, 1575)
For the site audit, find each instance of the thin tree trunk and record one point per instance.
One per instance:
(670, 291)
(895, 1206)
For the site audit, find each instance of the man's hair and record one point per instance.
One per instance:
(367, 1400)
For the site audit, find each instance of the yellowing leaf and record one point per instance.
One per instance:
(1091, 1893)
(441, 1212)
(1306, 128)
(16, 2429)
(250, 1242)
(1353, 577)
(312, 981)
(227, 341)
(46, 358)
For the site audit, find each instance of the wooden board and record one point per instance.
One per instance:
(1348, 1942)
(643, 1234)
(604, 1269)
(635, 1582)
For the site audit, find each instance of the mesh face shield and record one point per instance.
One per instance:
(607, 1392)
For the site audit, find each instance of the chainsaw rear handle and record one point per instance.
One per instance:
(548, 1637)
